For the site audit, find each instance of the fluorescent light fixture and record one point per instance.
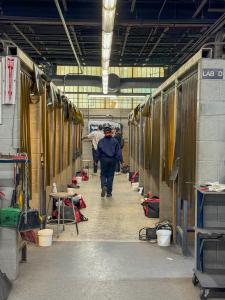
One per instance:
(109, 4)
(106, 40)
(108, 17)
(105, 64)
(105, 72)
(106, 54)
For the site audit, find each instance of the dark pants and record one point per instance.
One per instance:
(118, 166)
(95, 164)
(108, 166)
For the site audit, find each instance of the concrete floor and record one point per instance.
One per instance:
(116, 218)
(106, 261)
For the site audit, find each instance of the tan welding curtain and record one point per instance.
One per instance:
(169, 133)
(188, 109)
(155, 153)
(146, 113)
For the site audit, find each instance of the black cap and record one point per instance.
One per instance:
(107, 127)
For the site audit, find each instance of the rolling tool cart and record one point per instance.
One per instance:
(209, 272)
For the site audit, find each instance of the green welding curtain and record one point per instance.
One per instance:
(187, 163)
(155, 153)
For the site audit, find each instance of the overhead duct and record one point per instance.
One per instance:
(115, 83)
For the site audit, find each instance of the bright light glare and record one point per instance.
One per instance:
(109, 4)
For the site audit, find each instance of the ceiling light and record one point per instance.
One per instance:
(109, 4)
(105, 64)
(106, 54)
(106, 40)
(105, 72)
(108, 17)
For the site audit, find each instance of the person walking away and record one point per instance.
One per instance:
(120, 140)
(108, 153)
(95, 137)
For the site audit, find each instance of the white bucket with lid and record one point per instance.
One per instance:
(163, 237)
(45, 237)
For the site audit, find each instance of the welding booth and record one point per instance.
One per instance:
(177, 139)
(36, 119)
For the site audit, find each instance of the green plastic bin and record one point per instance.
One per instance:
(9, 217)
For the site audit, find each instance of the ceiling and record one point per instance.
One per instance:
(146, 32)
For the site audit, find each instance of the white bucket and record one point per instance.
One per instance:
(79, 179)
(163, 237)
(135, 186)
(45, 237)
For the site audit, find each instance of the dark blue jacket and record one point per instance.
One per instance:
(109, 147)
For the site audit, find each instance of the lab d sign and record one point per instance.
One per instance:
(212, 73)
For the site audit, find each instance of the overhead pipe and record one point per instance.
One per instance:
(68, 35)
(204, 38)
(218, 49)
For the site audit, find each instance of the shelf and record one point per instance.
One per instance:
(210, 230)
(210, 280)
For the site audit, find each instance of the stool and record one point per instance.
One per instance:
(86, 163)
(60, 198)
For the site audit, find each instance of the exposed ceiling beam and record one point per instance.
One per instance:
(158, 41)
(146, 42)
(27, 40)
(181, 23)
(125, 40)
(8, 38)
(205, 37)
(132, 6)
(200, 7)
(68, 34)
(216, 10)
(65, 5)
(75, 39)
(182, 50)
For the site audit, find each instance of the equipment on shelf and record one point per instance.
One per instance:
(209, 272)
(19, 215)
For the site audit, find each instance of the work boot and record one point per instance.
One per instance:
(103, 191)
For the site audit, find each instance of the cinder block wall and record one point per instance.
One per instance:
(9, 142)
(118, 115)
(211, 124)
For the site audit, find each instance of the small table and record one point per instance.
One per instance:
(60, 196)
